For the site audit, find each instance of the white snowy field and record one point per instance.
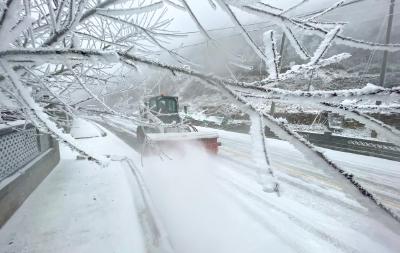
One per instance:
(204, 203)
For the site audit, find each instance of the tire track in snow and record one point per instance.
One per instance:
(157, 239)
(298, 221)
(293, 182)
(392, 212)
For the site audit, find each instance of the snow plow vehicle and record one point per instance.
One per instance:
(163, 127)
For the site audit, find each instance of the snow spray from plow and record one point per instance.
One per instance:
(167, 141)
(197, 212)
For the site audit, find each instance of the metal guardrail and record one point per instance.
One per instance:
(374, 148)
(20, 144)
(359, 146)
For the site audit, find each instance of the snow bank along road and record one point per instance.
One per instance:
(201, 203)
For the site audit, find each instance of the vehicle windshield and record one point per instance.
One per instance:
(163, 105)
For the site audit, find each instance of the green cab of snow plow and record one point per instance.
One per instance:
(165, 108)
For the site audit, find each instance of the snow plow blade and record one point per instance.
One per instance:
(170, 140)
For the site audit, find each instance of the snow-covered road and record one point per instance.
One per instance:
(314, 207)
(205, 204)
(380, 176)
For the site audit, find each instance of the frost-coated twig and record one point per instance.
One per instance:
(273, 56)
(392, 133)
(52, 16)
(293, 7)
(333, 7)
(49, 55)
(97, 99)
(299, 49)
(40, 119)
(91, 94)
(69, 108)
(196, 21)
(365, 91)
(175, 5)
(130, 11)
(212, 4)
(75, 16)
(58, 36)
(313, 29)
(368, 90)
(58, 55)
(149, 34)
(267, 177)
(325, 44)
(270, 6)
(11, 25)
(243, 30)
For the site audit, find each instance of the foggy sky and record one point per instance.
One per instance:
(358, 15)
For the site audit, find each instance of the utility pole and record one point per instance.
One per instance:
(387, 41)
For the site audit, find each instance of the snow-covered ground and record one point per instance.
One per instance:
(84, 129)
(205, 203)
(379, 176)
(79, 207)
